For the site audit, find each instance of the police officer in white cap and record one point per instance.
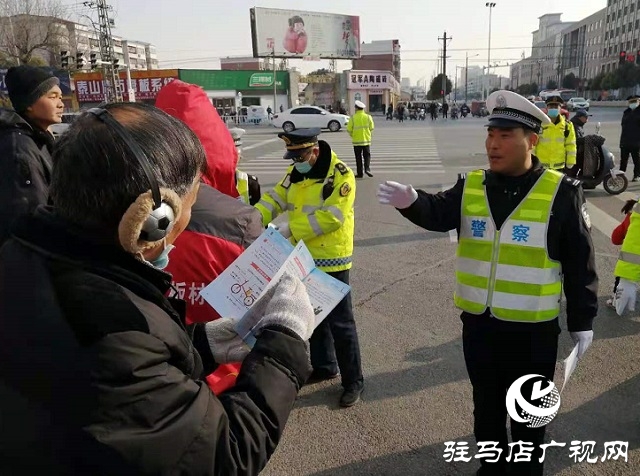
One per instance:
(522, 231)
(360, 127)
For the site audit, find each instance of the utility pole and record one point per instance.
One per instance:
(275, 90)
(113, 91)
(444, 64)
(490, 5)
(466, 76)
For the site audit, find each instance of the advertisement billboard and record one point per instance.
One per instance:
(145, 84)
(300, 34)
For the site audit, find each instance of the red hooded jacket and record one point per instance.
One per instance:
(221, 226)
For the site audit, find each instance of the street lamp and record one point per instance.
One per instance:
(466, 73)
(490, 5)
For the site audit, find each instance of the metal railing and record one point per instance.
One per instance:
(245, 121)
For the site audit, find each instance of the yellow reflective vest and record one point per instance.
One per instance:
(508, 270)
(359, 128)
(242, 185)
(628, 265)
(554, 150)
(325, 225)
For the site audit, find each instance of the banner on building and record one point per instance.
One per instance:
(90, 87)
(318, 79)
(300, 34)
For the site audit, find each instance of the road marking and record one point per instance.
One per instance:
(601, 220)
(261, 143)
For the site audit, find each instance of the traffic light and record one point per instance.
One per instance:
(93, 57)
(64, 59)
(623, 57)
(116, 63)
(80, 61)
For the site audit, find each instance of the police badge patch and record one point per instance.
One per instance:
(345, 190)
(501, 101)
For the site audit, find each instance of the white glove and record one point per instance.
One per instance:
(583, 339)
(396, 194)
(226, 345)
(284, 230)
(625, 296)
(288, 306)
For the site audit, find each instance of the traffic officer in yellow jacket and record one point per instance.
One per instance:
(556, 147)
(522, 234)
(247, 185)
(628, 265)
(317, 193)
(360, 127)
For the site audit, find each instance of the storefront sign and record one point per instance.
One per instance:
(225, 80)
(90, 87)
(318, 79)
(261, 80)
(375, 80)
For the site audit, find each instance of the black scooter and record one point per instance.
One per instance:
(612, 179)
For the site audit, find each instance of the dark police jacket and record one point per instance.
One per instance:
(568, 239)
(99, 376)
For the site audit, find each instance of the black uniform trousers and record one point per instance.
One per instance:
(634, 152)
(362, 151)
(495, 358)
(334, 343)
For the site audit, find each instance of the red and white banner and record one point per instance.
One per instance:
(90, 87)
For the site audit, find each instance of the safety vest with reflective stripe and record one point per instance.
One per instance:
(628, 265)
(508, 270)
(359, 128)
(242, 185)
(325, 225)
(554, 150)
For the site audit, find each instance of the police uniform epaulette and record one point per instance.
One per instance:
(462, 176)
(571, 181)
(341, 168)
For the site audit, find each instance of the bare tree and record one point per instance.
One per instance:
(31, 31)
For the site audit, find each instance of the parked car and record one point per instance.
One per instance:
(577, 103)
(543, 107)
(67, 119)
(309, 116)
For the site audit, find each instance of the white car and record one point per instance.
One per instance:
(67, 119)
(309, 116)
(577, 103)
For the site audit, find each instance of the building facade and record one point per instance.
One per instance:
(383, 55)
(622, 33)
(582, 47)
(242, 63)
(546, 52)
(376, 89)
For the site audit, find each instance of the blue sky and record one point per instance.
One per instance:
(195, 33)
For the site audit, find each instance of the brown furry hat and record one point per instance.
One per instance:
(130, 226)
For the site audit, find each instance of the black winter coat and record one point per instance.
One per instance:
(99, 376)
(630, 135)
(568, 239)
(25, 169)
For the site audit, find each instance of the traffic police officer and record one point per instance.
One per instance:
(522, 233)
(317, 193)
(247, 185)
(556, 147)
(360, 127)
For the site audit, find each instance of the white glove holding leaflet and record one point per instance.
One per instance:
(396, 194)
(226, 345)
(583, 339)
(625, 296)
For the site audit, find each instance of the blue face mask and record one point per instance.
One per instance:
(633, 105)
(303, 167)
(162, 261)
(553, 113)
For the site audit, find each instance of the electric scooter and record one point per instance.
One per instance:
(613, 180)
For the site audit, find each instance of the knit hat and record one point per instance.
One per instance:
(26, 84)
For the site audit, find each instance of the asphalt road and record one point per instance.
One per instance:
(417, 393)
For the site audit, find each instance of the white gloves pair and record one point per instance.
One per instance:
(583, 339)
(284, 229)
(396, 194)
(625, 296)
(286, 304)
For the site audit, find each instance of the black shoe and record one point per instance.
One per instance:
(368, 172)
(350, 397)
(359, 176)
(318, 376)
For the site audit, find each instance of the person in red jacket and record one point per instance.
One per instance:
(618, 235)
(221, 226)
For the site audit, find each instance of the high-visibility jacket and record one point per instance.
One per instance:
(359, 128)
(556, 146)
(242, 184)
(628, 265)
(325, 224)
(508, 270)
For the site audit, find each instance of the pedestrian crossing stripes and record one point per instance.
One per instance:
(605, 215)
(392, 151)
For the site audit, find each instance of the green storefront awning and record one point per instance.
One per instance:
(218, 80)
